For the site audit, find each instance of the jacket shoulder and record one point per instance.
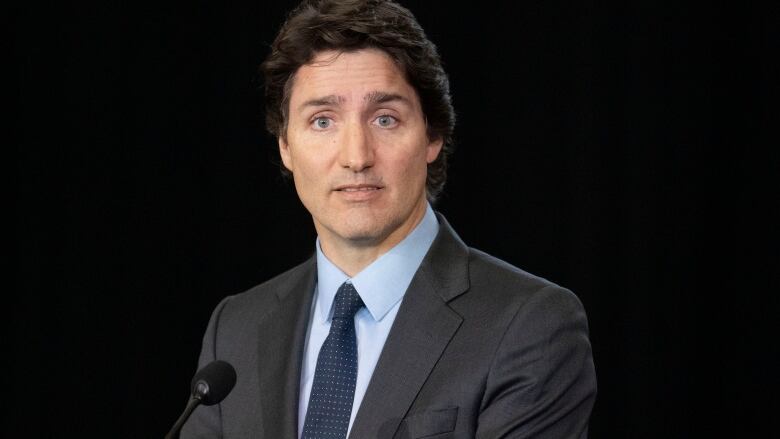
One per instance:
(268, 292)
(512, 286)
(485, 267)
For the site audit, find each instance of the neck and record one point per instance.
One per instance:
(352, 256)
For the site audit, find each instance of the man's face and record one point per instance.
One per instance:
(357, 147)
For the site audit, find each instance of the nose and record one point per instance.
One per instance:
(356, 152)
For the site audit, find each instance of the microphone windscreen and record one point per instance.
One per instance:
(214, 382)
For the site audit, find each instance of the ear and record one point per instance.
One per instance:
(433, 150)
(284, 152)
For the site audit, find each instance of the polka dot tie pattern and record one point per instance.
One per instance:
(333, 390)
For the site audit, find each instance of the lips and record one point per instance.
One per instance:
(359, 193)
(358, 188)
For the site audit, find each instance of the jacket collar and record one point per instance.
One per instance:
(424, 326)
(422, 329)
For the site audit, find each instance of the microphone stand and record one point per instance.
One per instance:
(219, 374)
(193, 402)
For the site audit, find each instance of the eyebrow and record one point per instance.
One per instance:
(380, 97)
(325, 100)
(374, 97)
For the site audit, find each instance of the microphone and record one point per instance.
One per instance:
(209, 386)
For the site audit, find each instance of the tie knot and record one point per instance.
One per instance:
(347, 302)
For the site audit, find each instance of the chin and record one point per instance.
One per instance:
(363, 236)
(364, 231)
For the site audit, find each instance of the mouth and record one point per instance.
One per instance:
(358, 188)
(358, 193)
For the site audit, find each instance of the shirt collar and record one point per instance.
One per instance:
(383, 283)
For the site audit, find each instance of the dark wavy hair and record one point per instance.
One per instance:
(350, 25)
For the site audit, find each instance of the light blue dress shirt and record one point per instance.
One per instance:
(381, 285)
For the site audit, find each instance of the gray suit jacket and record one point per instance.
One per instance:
(479, 348)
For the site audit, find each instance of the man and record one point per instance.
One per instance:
(394, 328)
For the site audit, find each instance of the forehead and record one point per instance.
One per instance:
(350, 76)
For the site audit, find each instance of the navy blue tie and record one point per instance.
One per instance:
(333, 390)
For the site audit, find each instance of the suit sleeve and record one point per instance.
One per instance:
(542, 382)
(206, 421)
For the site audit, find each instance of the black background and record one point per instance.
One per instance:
(623, 151)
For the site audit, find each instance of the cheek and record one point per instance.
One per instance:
(304, 174)
(413, 168)
(306, 178)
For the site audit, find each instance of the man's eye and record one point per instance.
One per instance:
(322, 122)
(386, 121)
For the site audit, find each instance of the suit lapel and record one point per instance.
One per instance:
(422, 329)
(282, 336)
